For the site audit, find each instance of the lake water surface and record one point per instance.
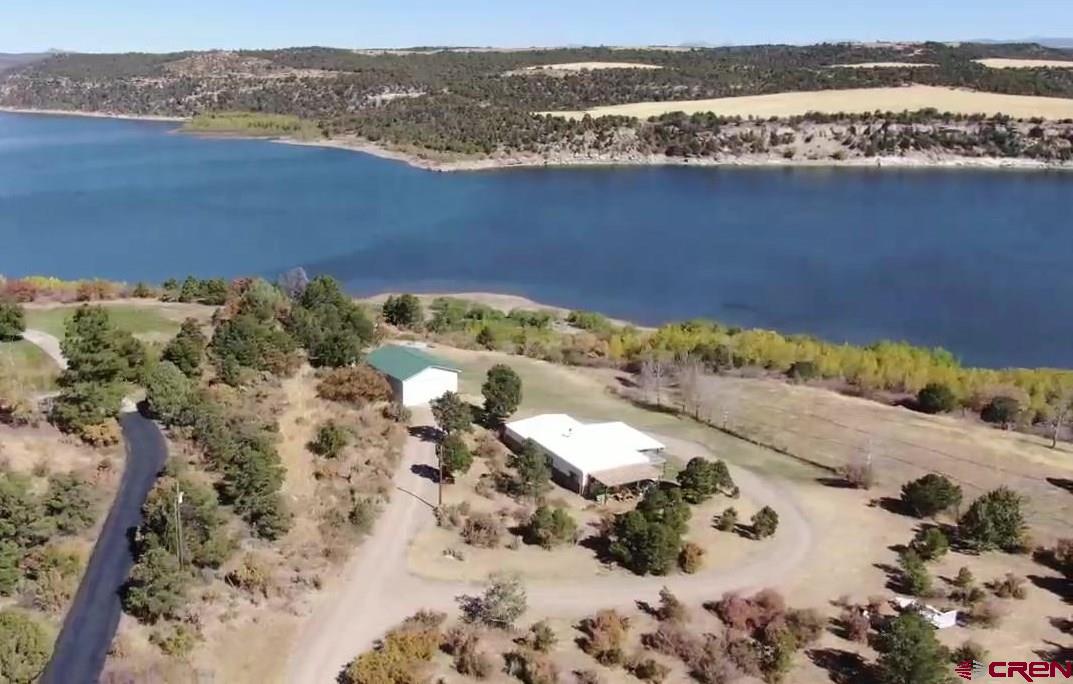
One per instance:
(975, 261)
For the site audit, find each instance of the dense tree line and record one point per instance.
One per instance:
(1039, 396)
(474, 103)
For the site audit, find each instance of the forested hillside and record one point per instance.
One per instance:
(470, 102)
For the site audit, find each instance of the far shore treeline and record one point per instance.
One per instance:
(590, 339)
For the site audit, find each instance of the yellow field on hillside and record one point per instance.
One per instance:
(880, 65)
(894, 99)
(1002, 63)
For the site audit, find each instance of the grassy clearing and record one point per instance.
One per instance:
(1003, 63)
(859, 100)
(152, 321)
(27, 367)
(252, 123)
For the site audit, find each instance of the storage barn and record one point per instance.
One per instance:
(416, 377)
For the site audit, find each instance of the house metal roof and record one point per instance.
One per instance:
(592, 449)
(403, 363)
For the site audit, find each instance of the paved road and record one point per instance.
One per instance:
(91, 622)
(378, 591)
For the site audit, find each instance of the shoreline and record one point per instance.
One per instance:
(536, 162)
(92, 115)
(418, 161)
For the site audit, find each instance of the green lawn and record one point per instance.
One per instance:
(548, 388)
(29, 368)
(139, 320)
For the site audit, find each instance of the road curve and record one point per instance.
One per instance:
(377, 590)
(50, 344)
(82, 646)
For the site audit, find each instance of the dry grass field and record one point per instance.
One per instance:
(880, 65)
(855, 100)
(833, 429)
(1002, 63)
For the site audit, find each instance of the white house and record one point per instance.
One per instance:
(416, 377)
(613, 454)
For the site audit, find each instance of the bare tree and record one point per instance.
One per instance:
(690, 375)
(653, 378)
(294, 282)
(1061, 405)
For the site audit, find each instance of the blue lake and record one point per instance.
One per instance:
(976, 261)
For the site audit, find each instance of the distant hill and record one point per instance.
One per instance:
(9, 60)
(1061, 43)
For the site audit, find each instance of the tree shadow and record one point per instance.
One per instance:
(650, 405)
(910, 403)
(1059, 586)
(1062, 483)
(426, 472)
(836, 482)
(1047, 559)
(626, 381)
(895, 506)
(895, 577)
(426, 433)
(600, 546)
(1057, 653)
(1063, 625)
(842, 667)
(647, 608)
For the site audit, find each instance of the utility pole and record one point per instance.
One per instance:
(439, 474)
(178, 523)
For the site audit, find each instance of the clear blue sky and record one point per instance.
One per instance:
(157, 25)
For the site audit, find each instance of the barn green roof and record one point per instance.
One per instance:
(402, 363)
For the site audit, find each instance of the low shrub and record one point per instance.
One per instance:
(100, 434)
(764, 522)
(531, 668)
(357, 385)
(987, 614)
(330, 440)
(690, 558)
(647, 669)
(604, 636)
(482, 530)
(727, 520)
(969, 651)
(670, 608)
(859, 475)
(1010, 586)
(930, 544)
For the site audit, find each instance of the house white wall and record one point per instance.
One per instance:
(427, 385)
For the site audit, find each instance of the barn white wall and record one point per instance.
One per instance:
(427, 385)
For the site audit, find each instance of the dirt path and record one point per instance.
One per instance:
(377, 590)
(374, 591)
(50, 344)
